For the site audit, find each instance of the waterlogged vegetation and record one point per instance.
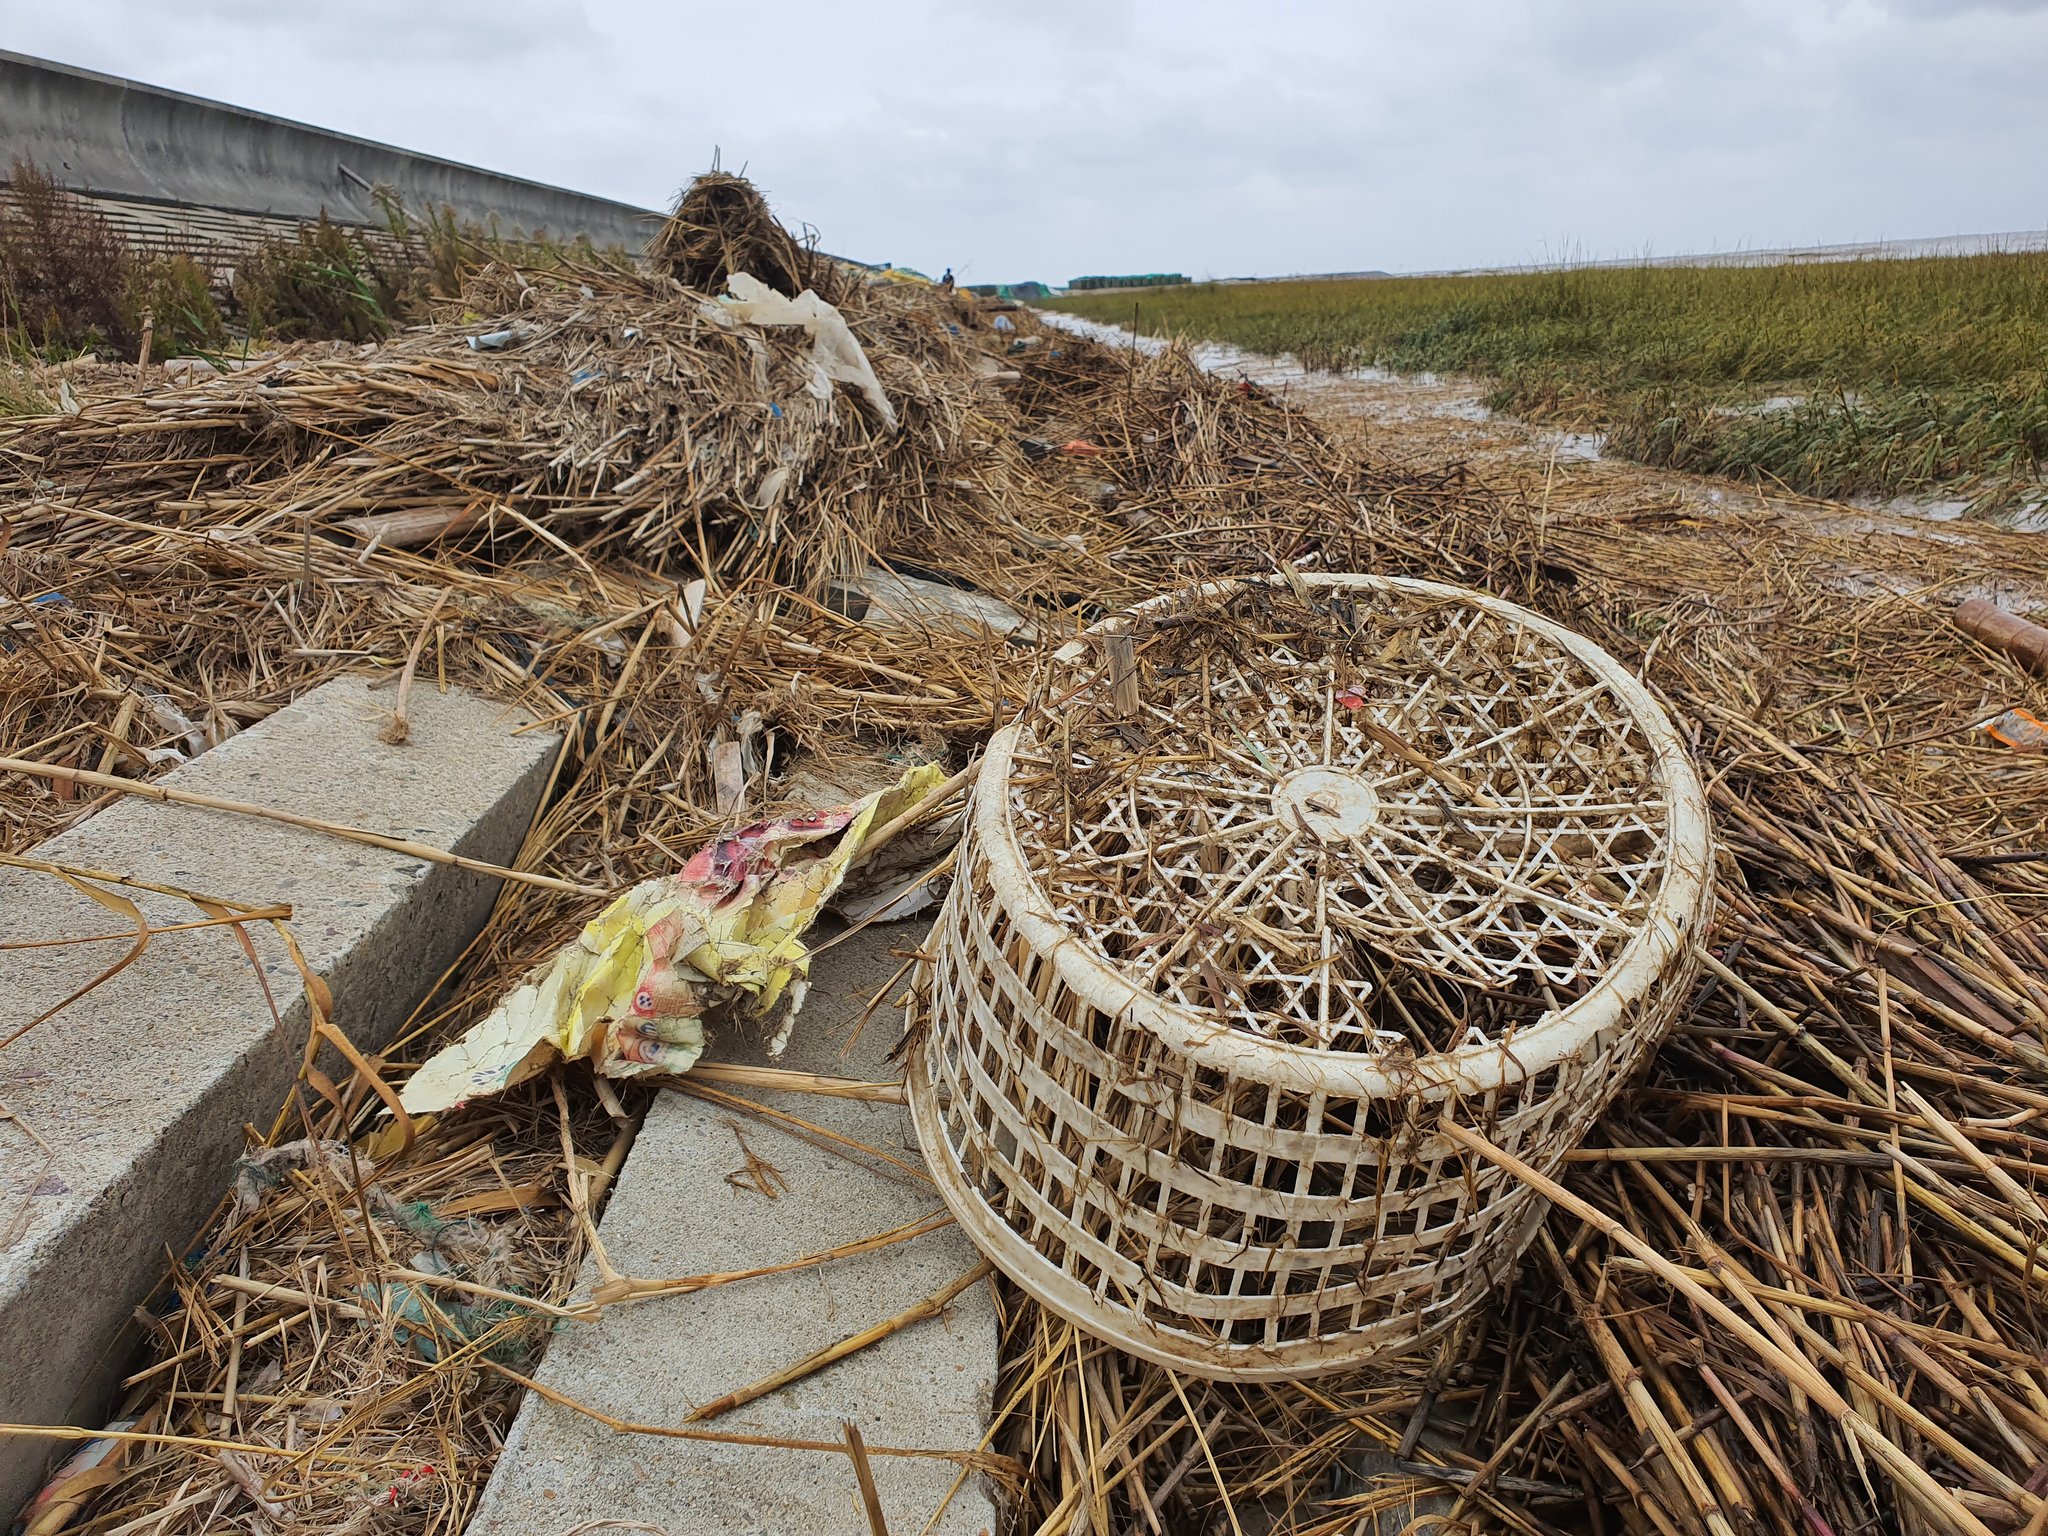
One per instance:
(1837, 379)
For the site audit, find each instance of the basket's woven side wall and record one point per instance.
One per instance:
(1216, 1223)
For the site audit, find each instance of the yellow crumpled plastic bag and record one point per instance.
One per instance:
(631, 992)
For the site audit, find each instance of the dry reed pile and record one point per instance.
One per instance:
(1795, 1283)
(724, 227)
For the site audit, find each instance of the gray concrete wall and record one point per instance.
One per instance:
(127, 1107)
(99, 133)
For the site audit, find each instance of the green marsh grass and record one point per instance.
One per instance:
(1839, 378)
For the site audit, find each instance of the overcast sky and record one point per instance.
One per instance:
(1047, 138)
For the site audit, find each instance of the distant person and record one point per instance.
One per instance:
(946, 282)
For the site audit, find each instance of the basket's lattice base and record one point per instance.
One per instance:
(1398, 829)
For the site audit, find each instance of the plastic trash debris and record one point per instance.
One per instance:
(411, 1486)
(1003, 323)
(420, 1315)
(1081, 448)
(495, 341)
(2019, 729)
(26, 626)
(64, 1497)
(631, 992)
(262, 1170)
(681, 613)
(883, 599)
(414, 1313)
(835, 354)
(903, 897)
(2023, 640)
(174, 720)
(728, 775)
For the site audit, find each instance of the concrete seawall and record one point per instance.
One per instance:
(105, 135)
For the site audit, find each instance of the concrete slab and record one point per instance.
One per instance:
(127, 1108)
(675, 1213)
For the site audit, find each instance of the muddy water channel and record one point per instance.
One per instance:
(1429, 414)
(1370, 394)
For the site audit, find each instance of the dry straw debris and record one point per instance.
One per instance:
(1794, 1281)
(724, 227)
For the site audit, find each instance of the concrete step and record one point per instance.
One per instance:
(126, 1109)
(683, 1206)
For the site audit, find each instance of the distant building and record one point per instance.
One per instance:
(1132, 280)
(1019, 291)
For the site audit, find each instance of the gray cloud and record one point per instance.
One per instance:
(1965, 7)
(1216, 138)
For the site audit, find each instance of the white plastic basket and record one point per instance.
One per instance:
(1281, 873)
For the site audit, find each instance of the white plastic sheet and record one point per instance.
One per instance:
(835, 354)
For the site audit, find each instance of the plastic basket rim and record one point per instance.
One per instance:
(1676, 909)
